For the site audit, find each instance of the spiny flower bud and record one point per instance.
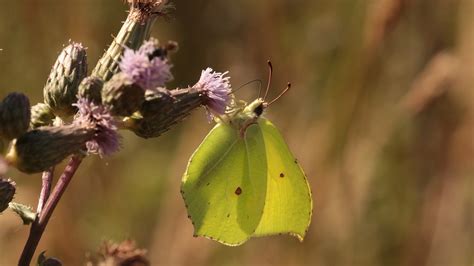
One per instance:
(48, 261)
(39, 149)
(7, 191)
(61, 88)
(91, 88)
(122, 96)
(41, 115)
(163, 111)
(14, 115)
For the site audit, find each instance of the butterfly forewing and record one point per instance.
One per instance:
(288, 203)
(224, 187)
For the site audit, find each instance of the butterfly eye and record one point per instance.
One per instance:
(259, 110)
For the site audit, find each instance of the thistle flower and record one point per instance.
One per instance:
(216, 88)
(146, 71)
(124, 253)
(105, 140)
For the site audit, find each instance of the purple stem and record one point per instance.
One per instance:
(47, 180)
(39, 225)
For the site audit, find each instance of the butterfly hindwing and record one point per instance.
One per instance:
(224, 185)
(288, 204)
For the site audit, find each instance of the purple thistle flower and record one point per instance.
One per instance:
(147, 73)
(216, 88)
(106, 140)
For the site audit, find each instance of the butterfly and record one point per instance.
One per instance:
(243, 181)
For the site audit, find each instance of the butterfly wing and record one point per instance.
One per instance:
(288, 203)
(224, 184)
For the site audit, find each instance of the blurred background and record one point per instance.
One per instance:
(381, 117)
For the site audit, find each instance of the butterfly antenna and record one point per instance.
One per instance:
(270, 74)
(247, 83)
(281, 94)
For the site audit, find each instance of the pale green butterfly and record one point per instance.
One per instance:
(243, 181)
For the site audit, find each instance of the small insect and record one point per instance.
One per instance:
(244, 159)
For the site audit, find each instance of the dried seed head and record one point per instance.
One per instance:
(7, 191)
(14, 115)
(41, 115)
(91, 88)
(61, 88)
(125, 253)
(122, 96)
(141, 10)
(39, 149)
(163, 109)
(105, 139)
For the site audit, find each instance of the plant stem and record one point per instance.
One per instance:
(39, 225)
(47, 180)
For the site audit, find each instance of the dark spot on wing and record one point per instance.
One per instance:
(296, 161)
(208, 184)
(228, 215)
(238, 191)
(282, 175)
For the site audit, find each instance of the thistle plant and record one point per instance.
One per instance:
(83, 112)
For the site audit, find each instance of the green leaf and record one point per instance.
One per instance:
(26, 213)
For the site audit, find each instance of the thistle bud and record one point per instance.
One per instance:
(61, 88)
(122, 95)
(163, 110)
(39, 149)
(14, 115)
(91, 89)
(41, 115)
(7, 191)
(48, 261)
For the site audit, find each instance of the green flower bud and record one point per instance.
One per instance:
(41, 115)
(26, 213)
(39, 149)
(14, 115)
(91, 89)
(61, 88)
(122, 96)
(7, 191)
(163, 110)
